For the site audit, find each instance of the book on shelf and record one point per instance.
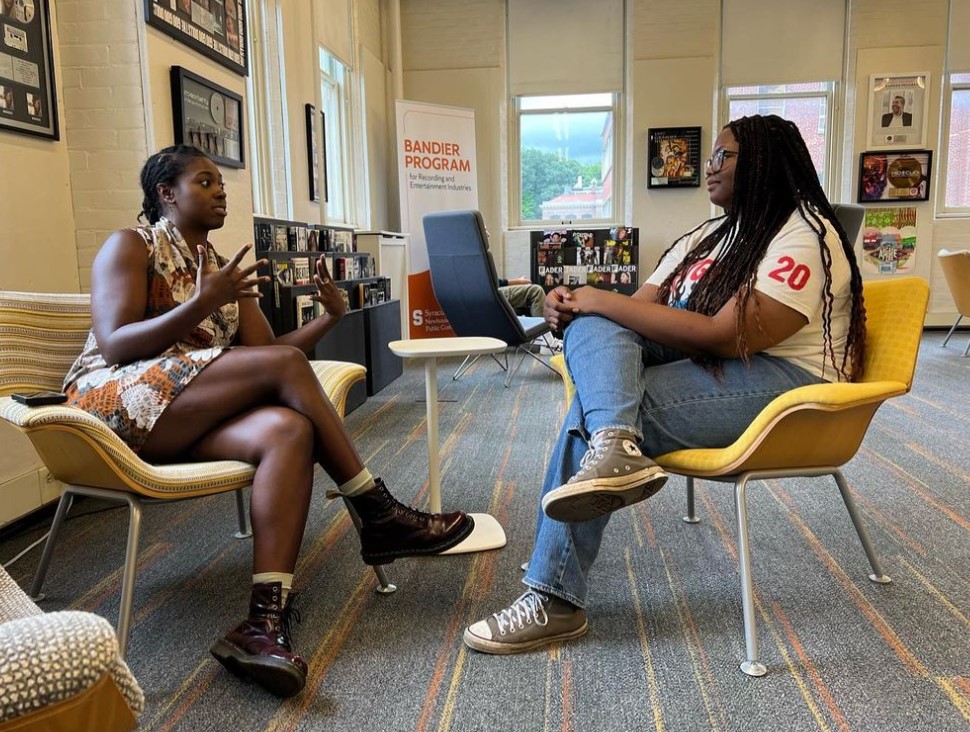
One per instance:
(279, 237)
(263, 234)
(343, 240)
(301, 270)
(305, 310)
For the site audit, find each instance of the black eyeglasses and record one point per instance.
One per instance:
(716, 161)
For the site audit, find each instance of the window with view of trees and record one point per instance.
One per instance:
(565, 161)
(807, 105)
(957, 186)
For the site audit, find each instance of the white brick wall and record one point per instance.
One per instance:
(103, 118)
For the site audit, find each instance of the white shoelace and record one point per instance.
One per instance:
(528, 609)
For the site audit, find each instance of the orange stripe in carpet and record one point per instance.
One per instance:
(196, 684)
(567, 695)
(652, 687)
(821, 687)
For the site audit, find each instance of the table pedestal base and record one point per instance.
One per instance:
(487, 534)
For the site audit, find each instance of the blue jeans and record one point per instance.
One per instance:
(626, 381)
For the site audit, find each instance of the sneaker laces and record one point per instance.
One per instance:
(527, 610)
(590, 457)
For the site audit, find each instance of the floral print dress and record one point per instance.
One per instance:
(129, 398)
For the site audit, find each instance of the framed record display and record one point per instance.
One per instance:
(208, 116)
(214, 28)
(27, 101)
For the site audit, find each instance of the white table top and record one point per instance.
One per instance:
(433, 347)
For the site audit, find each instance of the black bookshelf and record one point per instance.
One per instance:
(292, 249)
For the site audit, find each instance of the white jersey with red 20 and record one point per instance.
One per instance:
(791, 273)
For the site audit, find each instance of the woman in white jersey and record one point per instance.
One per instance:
(751, 304)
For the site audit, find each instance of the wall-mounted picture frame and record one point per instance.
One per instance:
(325, 192)
(898, 175)
(898, 109)
(215, 28)
(208, 116)
(674, 157)
(28, 104)
(312, 152)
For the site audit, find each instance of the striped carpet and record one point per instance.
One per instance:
(665, 612)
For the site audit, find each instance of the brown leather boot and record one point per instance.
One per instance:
(391, 530)
(259, 647)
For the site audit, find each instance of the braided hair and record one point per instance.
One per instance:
(163, 168)
(774, 176)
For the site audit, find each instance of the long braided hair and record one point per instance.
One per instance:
(774, 176)
(163, 168)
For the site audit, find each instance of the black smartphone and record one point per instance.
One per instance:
(39, 398)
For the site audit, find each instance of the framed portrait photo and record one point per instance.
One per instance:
(313, 152)
(899, 175)
(897, 109)
(27, 101)
(674, 157)
(208, 116)
(215, 28)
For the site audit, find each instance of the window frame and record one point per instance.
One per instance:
(515, 159)
(942, 210)
(348, 129)
(830, 187)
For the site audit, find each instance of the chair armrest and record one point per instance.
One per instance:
(336, 378)
(14, 602)
(52, 657)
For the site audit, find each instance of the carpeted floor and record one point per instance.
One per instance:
(665, 612)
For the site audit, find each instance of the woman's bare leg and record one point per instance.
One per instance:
(279, 442)
(242, 379)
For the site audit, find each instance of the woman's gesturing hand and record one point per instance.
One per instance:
(328, 294)
(218, 287)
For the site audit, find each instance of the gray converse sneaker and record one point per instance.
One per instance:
(530, 622)
(613, 474)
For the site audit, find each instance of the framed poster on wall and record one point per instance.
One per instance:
(897, 109)
(895, 176)
(208, 116)
(674, 157)
(214, 28)
(27, 99)
(312, 152)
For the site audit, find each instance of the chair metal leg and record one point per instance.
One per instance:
(752, 666)
(63, 506)
(877, 574)
(469, 360)
(244, 530)
(953, 328)
(383, 586)
(128, 575)
(967, 349)
(691, 517)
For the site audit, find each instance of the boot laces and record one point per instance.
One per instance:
(288, 617)
(402, 509)
(529, 609)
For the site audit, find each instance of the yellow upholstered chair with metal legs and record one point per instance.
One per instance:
(810, 431)
(40, 336)
(956, 269)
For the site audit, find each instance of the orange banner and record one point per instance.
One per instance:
(425, 317)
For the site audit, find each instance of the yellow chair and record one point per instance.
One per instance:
(956, 269)
(810, 431)
(40, 336)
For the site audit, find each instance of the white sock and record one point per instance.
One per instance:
(360, 483)
(285, 579)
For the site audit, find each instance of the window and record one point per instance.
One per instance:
(957, 185)
(268, 152)
(565, 166)
(807, 105)
(345, 179)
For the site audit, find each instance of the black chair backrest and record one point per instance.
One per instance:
(464, 279)
(851, 216)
